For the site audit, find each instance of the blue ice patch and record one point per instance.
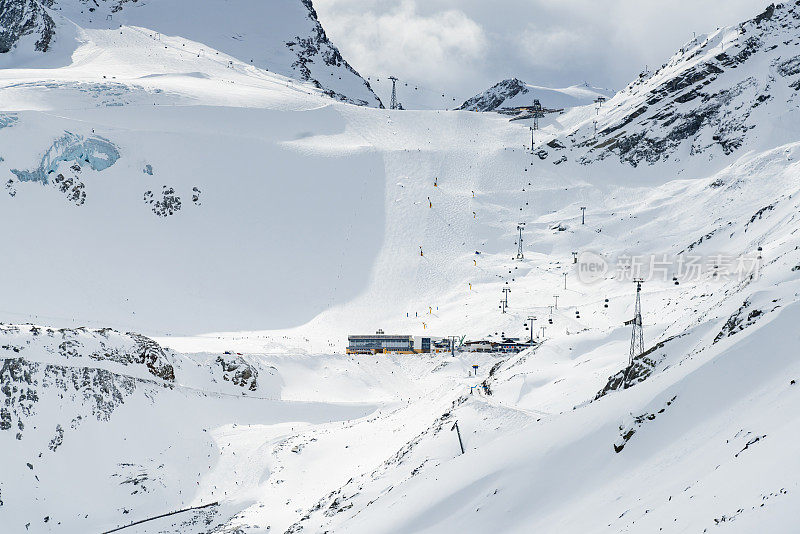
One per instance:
(7, 120)
(99, 153)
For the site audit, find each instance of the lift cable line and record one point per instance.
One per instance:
(416, 88)
(160, 516)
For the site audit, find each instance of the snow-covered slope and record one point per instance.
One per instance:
(513, 92)
(730, 91)
(312, 214)
(284, 37)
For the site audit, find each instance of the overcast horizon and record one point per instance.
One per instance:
(465, 46)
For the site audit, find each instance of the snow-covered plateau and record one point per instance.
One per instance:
(190, 236)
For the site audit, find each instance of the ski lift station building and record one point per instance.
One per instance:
(380, 343)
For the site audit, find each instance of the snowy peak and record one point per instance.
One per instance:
(283, 37)
(514, 92)
(317, 56)
(706, 98)
(495, 96)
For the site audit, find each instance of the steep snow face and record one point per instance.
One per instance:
(284, 37)
(514, 92)
(732, 90)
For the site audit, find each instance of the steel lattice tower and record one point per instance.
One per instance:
(504, 302)
(637, 334)
(393, 105)
(520, 255)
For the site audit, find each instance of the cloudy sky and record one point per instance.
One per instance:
(465, 46)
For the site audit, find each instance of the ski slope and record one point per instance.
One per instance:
(308, 224)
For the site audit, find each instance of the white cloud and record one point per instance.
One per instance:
(399, 40)
(467, 45)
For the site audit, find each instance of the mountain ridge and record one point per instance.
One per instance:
(513, 92)
(286, 38)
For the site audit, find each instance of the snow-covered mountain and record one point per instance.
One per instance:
(150, 187)
(284, 37)
(727, 92)
(513, 92)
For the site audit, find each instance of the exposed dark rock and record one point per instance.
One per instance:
(19, 18)
(57, 440)
(639, 370)
(627, 430)
(739, 320)
(697, 100)
(238, 371)
(317, 47)
(168, 204)
(494, 97)
(95, 391)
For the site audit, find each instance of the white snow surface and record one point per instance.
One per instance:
(308, 226)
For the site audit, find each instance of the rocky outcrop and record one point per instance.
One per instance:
(493, 98)
(37, 362)
(237, 371)
(316, 47)
(19, 18)
(639, 370)
(706, 99)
